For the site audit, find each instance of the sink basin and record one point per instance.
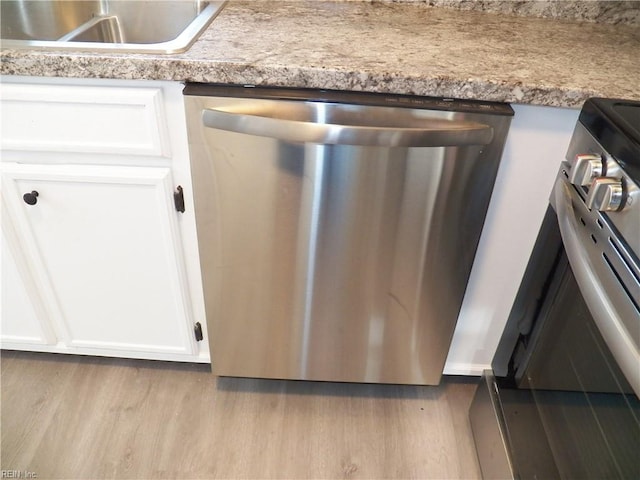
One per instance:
(145, 26)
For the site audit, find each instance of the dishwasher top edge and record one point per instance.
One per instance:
(348, 97)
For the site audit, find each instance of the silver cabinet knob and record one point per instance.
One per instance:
(606, 194)
(585, 168)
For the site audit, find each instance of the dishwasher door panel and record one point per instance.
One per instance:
(334, 262)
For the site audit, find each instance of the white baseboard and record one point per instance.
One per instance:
(471, 369)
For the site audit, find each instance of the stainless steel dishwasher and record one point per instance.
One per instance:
(337, 230)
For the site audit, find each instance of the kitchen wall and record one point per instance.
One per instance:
(536, 144)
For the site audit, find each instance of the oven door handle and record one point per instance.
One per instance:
(602, 309)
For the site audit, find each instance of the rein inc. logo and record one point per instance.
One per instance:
(17, 474)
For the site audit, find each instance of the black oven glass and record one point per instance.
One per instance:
(569, 411)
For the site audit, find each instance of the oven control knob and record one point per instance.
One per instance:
(585, 168)
(606, 194)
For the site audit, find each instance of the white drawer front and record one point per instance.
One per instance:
(83, 119)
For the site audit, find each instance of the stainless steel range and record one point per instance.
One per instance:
(562, 399)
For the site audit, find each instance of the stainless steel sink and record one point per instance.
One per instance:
(145, 26)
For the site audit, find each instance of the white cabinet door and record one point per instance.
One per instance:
(102, 244)
(23, 319)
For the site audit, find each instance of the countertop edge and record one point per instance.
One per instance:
(80, 65)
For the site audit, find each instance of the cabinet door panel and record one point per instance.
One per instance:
(84, 119)
(106, 238)
(23, 320)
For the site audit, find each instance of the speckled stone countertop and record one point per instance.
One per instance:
(382, 47)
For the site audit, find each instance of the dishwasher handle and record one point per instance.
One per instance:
(337, 124)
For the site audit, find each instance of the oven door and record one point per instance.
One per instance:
(607, 275)
(567, 370)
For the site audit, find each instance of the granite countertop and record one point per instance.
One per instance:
(386, 47)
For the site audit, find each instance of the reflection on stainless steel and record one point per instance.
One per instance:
(162, 26)
(488, 431)
(105, 28)
(337, 262)
(34, 20)
(329, 125)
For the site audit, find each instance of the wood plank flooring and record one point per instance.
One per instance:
(88, 418)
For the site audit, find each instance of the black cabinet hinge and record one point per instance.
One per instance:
(197, 329)
(178, 199)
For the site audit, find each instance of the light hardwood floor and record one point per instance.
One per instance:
(85, 417)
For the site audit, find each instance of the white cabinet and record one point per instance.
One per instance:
(106, 240)
(96, 257)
